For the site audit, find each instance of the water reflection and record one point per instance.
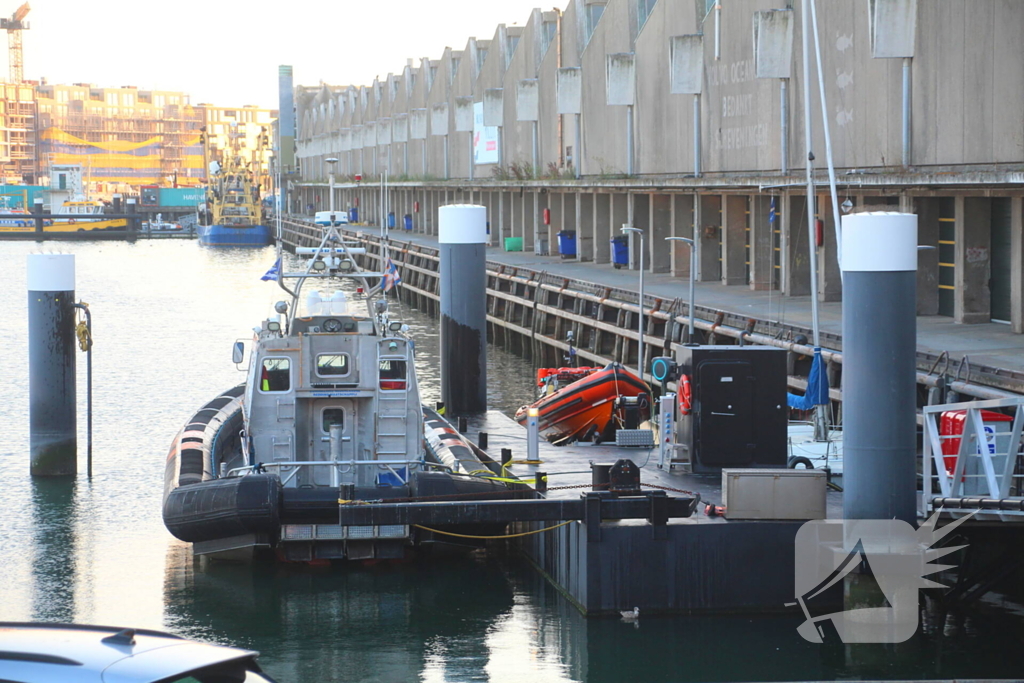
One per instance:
(365, 622)
(54, 561)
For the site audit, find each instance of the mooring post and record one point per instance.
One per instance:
(879, 366)
(53, 433)
(462, 236)
(37, 211)
(133, 224)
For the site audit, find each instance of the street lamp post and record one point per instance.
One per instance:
(640, 349)
(330, 164)
(693, 275)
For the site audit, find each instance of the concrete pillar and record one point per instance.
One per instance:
(659, 257)
(541, 243)
(734, 239)
(973, 241)
(830, 283)
(879, 367)
(927, 210)
(549, 230)
(1017, 264)
(797, 270)
(709, 254)
(762, 238)
(584, 202)
(463, 286)
(567, 220)
(642, 220)
(682, 226)
(53, 433)
(505, 223)
(620, 214)
(604, 215)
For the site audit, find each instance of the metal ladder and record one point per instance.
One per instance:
(392, 415)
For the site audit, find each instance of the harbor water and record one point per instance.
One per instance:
(165, 316)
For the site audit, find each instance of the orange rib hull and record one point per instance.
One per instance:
(586, 407)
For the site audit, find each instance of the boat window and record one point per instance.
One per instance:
(275, 375)
(332, 364)
(392, 375)
(332, 416)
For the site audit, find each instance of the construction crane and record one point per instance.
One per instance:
(14, 26)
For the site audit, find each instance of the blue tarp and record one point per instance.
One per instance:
(817, 387)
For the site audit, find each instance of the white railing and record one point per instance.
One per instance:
(986, 457)
(287, 470)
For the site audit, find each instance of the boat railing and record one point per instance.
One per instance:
(288, 470)
(972, 458)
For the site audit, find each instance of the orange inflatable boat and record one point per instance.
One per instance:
(585, 408)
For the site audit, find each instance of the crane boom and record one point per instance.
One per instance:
(21, 12)
(14, 26)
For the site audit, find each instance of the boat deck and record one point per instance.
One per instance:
(568, 467)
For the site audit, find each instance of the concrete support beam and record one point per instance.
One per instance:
(973, 303)
(584, 202)
(619, 203)
(556, 205)
(682, 226)
(830, 283)
(540, 231)
(505, 222)
(927, 210)
(797, 270)
(709, 255)
(531, 211)
(661, 227)
(642, 220)
(734, 239)
(603, 217)
(1017, 264)
(762, 267)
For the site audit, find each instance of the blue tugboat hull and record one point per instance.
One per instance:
(225, 236)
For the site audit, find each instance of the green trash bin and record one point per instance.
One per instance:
(513, 244)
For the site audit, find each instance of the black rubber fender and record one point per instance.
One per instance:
(221, 508)
(799, 460)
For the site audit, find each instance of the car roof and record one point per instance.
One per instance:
(70, 653)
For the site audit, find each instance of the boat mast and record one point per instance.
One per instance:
(820, 416)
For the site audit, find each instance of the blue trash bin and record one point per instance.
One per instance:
(567, 243)
(353, 215)
(620, 251)
(391, 220)
(408, 221)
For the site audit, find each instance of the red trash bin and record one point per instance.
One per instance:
(952, 424)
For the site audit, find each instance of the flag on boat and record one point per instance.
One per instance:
(391, 276)
(274, 272)
(817, 387)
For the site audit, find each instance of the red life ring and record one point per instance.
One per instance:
(685, 395)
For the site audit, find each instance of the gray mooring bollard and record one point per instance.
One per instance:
(879, 366)
(462, 234)
(53, 434)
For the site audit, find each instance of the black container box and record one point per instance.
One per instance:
(738, 412)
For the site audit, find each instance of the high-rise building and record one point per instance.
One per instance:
(18, 133)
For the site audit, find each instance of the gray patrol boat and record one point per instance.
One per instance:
(329, 415)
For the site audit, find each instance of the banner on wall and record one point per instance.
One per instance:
(485, 138)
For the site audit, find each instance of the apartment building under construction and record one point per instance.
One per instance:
(18, 133)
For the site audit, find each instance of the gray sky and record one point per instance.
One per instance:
(227, 53)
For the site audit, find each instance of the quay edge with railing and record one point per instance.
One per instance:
(530, 312)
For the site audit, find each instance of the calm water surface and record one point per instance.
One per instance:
(165, 314)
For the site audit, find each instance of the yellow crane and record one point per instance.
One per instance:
(14, 26)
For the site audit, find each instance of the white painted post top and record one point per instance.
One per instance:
(462, 224)
(879, 241)
(51, 272)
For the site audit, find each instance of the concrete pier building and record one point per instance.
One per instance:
(685, 118)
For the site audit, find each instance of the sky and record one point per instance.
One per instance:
(227, 53)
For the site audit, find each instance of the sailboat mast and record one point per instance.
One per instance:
(806, 36)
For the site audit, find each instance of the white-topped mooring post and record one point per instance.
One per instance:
(879, 366)
(462, 238)
(53, 429)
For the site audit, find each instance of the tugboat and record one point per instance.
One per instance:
(329, 415)
(232, 215)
